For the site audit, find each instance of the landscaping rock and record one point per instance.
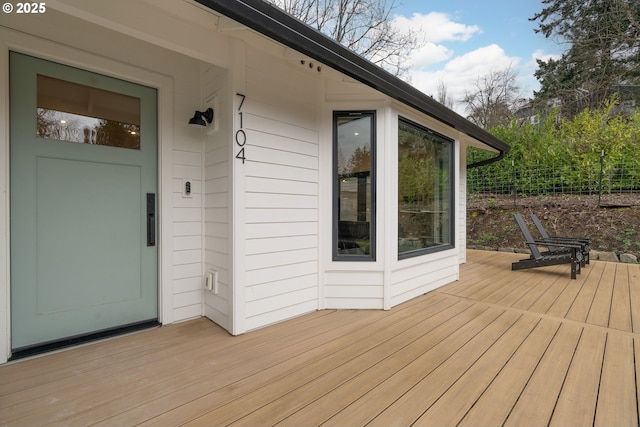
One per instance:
(604, 256)
(629, 258)
(510, 250)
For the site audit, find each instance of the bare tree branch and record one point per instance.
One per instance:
(364, 26)
(495, 98)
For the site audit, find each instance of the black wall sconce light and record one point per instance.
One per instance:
(201, 118)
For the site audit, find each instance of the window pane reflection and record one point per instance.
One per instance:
(72, 112)
(424, 189)
(354, 139)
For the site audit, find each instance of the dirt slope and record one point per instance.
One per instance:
(614, 227)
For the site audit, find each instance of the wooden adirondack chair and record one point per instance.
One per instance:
(584, 242)
(565, 253)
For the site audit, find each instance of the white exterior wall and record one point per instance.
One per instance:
(279, 248)
(264, 226)
(187, 216)
(386, 282)
(415, 276)
(217, 197)
(348, 284)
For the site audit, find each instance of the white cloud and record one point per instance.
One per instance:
(428, 55)
(528, 82)
(434, 29)
(437, 61)
(461, 72)
(437, 27)
(540, 54)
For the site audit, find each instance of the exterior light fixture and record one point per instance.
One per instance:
(201, 118)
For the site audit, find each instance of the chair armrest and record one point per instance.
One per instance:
(576, 239)
(555, 243)
(567, 240)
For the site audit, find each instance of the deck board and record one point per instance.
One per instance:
(601, 307)
(342, 359)
(452, 334)
(582, 304)
(495, 403)
(617, 404)
(567, 298)
(620, 316)
(429, 376)
(497, 347)
(397, 351)
(451, 407)
(536, 403)
(576, 403)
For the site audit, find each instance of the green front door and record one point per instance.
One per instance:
(83, 223)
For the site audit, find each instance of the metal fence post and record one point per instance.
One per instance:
(600, 178)
(515, 191)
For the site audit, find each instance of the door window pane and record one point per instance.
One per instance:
(425, 180)
(354, 185)
(68, 111)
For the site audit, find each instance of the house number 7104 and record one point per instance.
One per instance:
(241, 136)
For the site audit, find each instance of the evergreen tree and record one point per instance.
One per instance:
(603, 39)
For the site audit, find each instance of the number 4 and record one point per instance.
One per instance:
(240, 155)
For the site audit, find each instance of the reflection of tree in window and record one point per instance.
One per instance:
(423, 189)
(63, 126)
(50, 125)
(68, 111)
(359, 161)
(116, 134)
(353, 208)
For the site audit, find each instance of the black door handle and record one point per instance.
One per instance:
(151, 219)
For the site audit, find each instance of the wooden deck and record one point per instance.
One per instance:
(497, 347)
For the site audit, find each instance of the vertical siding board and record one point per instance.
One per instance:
(237, 168)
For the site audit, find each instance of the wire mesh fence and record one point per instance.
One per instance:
(600, 179)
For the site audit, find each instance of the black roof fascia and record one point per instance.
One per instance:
(284, 28)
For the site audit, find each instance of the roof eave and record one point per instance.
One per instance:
(282, 27)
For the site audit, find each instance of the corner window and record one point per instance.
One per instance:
(425, 190)
(354, 186)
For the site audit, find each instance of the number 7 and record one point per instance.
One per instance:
(241, 102)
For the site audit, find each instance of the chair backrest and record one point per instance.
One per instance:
(541, 230)
(527, 236)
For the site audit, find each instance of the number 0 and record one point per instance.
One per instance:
(241, 138)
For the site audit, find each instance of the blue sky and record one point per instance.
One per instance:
(466, 39)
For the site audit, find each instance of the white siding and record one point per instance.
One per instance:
(217, 306)
(418, 276)
(280, 118)
(187, 211)
(361, 284)
(187, 232)
(354, 289)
